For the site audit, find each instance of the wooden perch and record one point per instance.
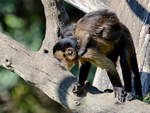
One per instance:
(45, 72)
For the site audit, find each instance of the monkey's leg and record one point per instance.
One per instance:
(128, 62)
(83, 74)
(100, 60)
(116, 82)
(114, 78)
(136, 77)
(126, 71)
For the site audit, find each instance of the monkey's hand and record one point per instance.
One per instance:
(81, 51)
(120, 94)
(78, 89)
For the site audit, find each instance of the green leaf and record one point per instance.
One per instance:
(7, 80)
(13, 21)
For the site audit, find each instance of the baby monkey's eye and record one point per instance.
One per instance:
(70, 51)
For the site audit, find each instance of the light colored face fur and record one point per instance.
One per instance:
(68, 58)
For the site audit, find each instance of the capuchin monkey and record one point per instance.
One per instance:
(99, 38)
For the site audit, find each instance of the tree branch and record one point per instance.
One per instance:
(36, 67)
(56, 17)
(90, 5)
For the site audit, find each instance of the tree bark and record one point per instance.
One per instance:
(45, 72)
(90, 5)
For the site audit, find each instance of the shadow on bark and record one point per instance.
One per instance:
(145, 80)
(65, 85)
(139, 11)
(63, 89)
(91, 89)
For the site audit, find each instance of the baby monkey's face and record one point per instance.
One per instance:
(68, 57)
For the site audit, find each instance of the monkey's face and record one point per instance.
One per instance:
(67, 57)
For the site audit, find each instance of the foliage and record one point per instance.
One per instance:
(29, 32)
(13, 21)
(8, 6)
(8, 79)
(147, 98)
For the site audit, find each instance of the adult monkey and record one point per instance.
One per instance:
(101, 39)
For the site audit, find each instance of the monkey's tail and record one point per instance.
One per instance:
(136, 77)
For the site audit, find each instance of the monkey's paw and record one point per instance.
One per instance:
(78, 90)
(120, 94)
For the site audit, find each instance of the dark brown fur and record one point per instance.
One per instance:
(102, 38)
(101, 27)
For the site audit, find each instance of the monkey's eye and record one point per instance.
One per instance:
(69, 51)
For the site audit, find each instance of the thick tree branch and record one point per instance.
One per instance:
(36, 67)
(90, 5)
(56, 17)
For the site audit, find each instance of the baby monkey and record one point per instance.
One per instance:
(99, 38)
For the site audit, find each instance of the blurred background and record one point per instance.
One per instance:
(24, 20)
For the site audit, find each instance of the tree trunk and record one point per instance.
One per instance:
(45, 72)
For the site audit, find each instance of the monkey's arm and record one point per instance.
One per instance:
(83, 45)
(84, 68)
(82, 49)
